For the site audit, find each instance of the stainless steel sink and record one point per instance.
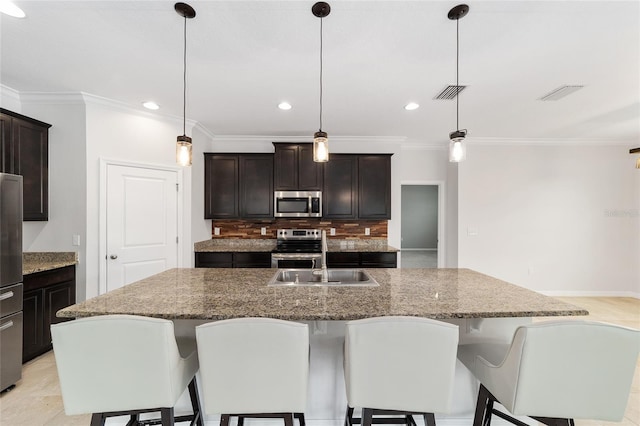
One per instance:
(337, 277)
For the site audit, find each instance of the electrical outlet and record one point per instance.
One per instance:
(263, 231)
(332, 231)
(216, 231)
(76, 240)
(367, 231)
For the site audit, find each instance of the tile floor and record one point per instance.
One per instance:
(418, 259)
(36, 401)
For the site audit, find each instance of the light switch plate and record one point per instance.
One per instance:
(216, 231)
(332, 231)
(367, 231)
(76, 240)
(263, 231)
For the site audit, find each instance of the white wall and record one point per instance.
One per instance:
(115, 132)
(560, 219)
(67, 186)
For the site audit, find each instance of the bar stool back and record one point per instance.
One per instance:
(116, 365)
(556, 371)
(399, 365)
(254, 367)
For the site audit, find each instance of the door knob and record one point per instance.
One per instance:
(114, 256)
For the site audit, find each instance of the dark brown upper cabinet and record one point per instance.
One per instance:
(24, 150)
(357, 186)
(238, 186)
(294, 168)
(374, 186)
(340, 193)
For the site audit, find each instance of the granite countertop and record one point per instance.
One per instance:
(33, 262)
(255, 245)
(214, 294)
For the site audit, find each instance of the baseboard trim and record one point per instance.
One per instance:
(560, 293)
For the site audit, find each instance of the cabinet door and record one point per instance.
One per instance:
(33, 323)
(256, 186)
(310, 173)
(56, 297)
(286, 167)
(6, 145)
(340, 193)
(220, 186)
(32, 162)
(374, 187)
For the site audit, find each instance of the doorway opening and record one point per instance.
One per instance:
(421, 225)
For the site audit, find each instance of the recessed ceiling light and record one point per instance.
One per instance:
(284, 106)
(9, 8)
(151, 105)
(411, 106)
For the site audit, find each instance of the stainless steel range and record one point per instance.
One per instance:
(297, 248)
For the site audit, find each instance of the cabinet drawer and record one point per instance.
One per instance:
(252, 260)
(343, 260)
(214, 260)
(10, 299)
(45, 278)
(379, 260)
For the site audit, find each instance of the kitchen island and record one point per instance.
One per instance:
(483, 307)
(215, 294)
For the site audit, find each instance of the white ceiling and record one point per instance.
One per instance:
(245, 57)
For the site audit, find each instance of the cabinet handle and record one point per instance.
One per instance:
(113, 256)
(6, 325)
(7, 295)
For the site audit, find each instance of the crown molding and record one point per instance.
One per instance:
(546, 142)
(8, 92)
(309, 138)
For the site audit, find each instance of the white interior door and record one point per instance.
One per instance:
(141, 223)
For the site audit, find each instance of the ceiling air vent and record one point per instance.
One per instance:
(560, 93)
(450, 92)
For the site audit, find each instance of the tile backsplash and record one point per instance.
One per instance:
(345, 229)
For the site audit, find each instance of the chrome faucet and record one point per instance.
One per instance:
(324, 275)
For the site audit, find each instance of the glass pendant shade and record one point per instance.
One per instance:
(457, 149)
(320, 147)
(184, 155)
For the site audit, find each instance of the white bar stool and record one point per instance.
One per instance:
(399, 366)
(115, 365)
(254, 367)
(555, 372)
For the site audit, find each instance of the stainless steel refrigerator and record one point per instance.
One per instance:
(10, 280)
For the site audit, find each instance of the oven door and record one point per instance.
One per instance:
(295, 260)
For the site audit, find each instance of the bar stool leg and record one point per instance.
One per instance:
(288, 419)
(429, 419)
(367, 416)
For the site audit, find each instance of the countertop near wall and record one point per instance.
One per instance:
(33, 262)
(248, 245)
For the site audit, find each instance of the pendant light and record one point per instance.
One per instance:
(320, 140)
(636, 151)
(457, 151)
(184, 154)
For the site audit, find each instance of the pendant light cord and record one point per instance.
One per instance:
(457, 71)
(321, 19)
(184, 81)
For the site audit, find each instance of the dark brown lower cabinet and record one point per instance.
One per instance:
(362, 260)
(45, 293)
(258, 259)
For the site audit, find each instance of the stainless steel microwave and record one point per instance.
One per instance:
(297, 203)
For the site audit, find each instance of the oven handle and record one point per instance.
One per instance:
(315, 257)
